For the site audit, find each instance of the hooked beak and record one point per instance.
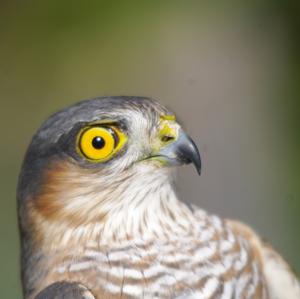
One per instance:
(181, 151)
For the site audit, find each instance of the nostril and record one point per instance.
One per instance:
(167, 138)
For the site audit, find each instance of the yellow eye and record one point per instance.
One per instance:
(100, 143)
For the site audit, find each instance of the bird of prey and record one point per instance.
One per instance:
(100, 218)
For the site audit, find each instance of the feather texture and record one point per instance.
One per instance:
(117, 229)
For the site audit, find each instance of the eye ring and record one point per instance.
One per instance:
(100, 143)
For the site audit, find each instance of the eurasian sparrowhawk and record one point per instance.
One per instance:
(99, 216)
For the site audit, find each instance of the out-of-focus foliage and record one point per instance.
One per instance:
(230, 70)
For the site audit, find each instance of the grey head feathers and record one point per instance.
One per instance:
(95, 109)
(56, 137)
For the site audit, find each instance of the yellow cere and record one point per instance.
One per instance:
(100, 143)
(168, 127)
(168, 132)
(168, 117)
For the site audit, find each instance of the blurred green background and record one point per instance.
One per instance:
(230, 71)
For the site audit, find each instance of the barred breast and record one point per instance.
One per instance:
(208, 261)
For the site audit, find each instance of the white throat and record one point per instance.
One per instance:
(147, 202)
(140, 204)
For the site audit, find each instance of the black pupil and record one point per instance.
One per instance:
(98, 142)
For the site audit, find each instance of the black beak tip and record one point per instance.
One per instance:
(197, 163)
(189, 153)
(198, 168)
(195, 157)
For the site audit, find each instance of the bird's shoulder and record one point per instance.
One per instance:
(281, 280)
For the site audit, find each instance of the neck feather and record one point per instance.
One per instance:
(94, 211)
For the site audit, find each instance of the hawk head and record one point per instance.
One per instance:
(98, 163)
